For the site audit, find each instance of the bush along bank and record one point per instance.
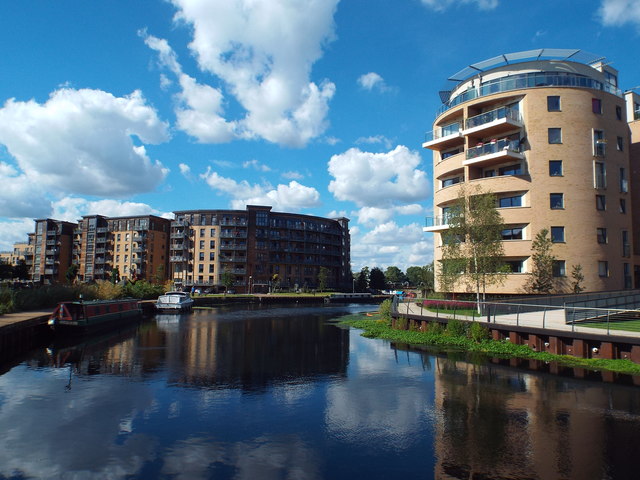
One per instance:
(473, 337)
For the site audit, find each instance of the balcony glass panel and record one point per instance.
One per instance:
(497, 114)
(493, 147)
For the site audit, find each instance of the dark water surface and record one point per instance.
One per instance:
(284, 393)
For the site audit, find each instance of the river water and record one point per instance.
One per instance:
(285, 393)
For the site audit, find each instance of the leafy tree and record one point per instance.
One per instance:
(394, 276)
(376, 279)
(71, 273)
(323, 276)
(472, 249)
(362, 280)
(422, 277)
(115, 275)
(577, 279)
(6, 270)
(21, 270)
(541, 278)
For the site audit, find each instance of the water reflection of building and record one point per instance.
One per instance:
(499, 423)
(255, 352)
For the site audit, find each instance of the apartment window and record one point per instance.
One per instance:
(127, 237)
(126, 258)
(118, 237)
(117, 258)
(211, 268)
(559, 268)
(202, 232)
(212, 232)
(117, 247)
(600, 175)
(603, 269)
(620, 144)
(201, 256)
(449, 153)
(599, 143)
(450, 181)
(626, 248)
(212, 244)
(505, 202)
(623, 205)
(601, 202)
(555, 168)
(618, 112)
(512, 234)
(515, 266)
(557, 234)
(201, 244)
(212, 256)
(624, 187)
(602, 235)
(553, 103)
(555, 135)
(510, 170)
(200, 268)
(556, 201)
(126, 247)
(490, 172)
(596, 105)
(626, 270)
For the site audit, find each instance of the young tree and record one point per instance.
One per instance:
(577, 279)
(323, 276)
(71, 273)
(227, 279)
(21, 270)
(115, 275)
(541, 278)
(472, 246)
(376, 279)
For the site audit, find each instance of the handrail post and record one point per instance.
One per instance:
(544, 314)
(607, 321)
(518, 316)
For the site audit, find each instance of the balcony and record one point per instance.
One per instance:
(51, 242)
(444, 137)
(177, 258)
(181, 234)
(493, 152)
(437, 223)
(233, 246)
(233, 234)
(102, 230)
(494, 122)
(99, 261)
(233, 259)
(100, 251)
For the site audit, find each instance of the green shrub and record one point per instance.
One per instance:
(478, 332)
(385, 310)
(436, 328)
(457, 328)
(143, 290)
(402, 323)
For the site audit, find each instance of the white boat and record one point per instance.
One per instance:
(174, 301)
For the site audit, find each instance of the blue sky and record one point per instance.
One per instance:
(315, 106)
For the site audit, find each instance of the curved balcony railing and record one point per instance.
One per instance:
(493, 147)
(530, 80)
(445, 131)
(488, 117)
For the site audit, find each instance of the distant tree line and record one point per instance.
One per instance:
(14, 272)
(393, 278)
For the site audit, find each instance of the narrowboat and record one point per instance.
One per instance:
(174, 301)
(81, 317)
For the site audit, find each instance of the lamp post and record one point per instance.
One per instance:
(354, 286)
(250, 277)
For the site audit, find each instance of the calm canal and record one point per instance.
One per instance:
(284, 393)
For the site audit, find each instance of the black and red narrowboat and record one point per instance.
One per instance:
(80, 317)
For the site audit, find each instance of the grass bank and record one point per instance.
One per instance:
(460, 337)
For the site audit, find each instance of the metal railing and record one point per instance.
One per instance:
(437, 221)
(558, 316)
(440, 132)
(493, 147)
(529, 80)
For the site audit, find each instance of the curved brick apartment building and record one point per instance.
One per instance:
(546, 131)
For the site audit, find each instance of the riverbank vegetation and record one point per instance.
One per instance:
(473, 337)
(47, 296)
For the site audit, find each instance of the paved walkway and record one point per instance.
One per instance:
(553, 319)
(10, 320)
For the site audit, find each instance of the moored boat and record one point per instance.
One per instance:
(174, 301)
(80, 317)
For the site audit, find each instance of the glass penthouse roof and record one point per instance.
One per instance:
(561, 54)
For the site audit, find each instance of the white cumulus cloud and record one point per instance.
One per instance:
(13, 231)
(73, 208)
(372, 81)
(291, 197)
(84, 142)
(441, 5)
(381, 180)
(262, 51)
(619, 12)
